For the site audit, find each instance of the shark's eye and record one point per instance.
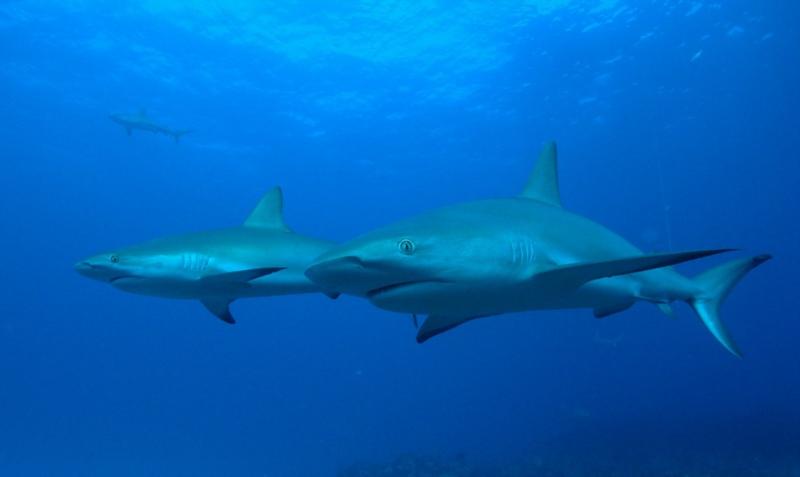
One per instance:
(114, 258)
(406, 246)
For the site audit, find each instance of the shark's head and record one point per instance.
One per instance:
(128, 269)
(423, 255)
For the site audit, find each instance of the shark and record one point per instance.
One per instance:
(491, 257)
(142, 122)
(262, 257)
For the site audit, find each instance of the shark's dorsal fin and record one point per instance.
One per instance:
(268, 214)
(543, 182)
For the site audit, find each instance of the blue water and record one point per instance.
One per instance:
(677, 124)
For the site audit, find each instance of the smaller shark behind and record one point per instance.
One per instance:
(263, 257)
(142, 122)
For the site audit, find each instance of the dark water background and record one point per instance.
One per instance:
(681, 113)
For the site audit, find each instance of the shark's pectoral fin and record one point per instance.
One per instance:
(575, 275)
(604, 311)
(240, 276)
(435, 325)
(666, 309)
(220, 307)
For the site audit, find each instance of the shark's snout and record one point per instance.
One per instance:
(354, 275)
(349, 274)
(83, 267)
(95, 271)
(89, 270)
(341, 274)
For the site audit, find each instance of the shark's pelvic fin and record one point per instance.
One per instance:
(435, 325)
(268, 214)
(579, 273)
(219, 307)
(715, 285)
(610, 310)
(543, 182)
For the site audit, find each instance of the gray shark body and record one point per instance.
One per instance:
(142, 122)
(498, 256)
(263, 257)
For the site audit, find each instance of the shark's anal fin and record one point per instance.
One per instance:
(268, 214)
(602, 312)
(333, 295)
(543, 182)
(219, 307)
(414, 321)
(577, 274)
(436, 325)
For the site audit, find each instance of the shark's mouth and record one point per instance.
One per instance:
(115, 279)
(376, 292)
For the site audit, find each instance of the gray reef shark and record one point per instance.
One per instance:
(496, 256)
(263, 257)
(142, 122)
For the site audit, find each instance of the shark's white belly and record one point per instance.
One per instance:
(471, 300)
(289, 281)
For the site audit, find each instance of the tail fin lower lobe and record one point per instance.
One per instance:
(715, 285)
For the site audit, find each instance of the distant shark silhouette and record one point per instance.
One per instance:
(489, 257)
(263, 257)
(142, 122)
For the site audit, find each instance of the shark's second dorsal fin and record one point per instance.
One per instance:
(268, 214)
(543, 182)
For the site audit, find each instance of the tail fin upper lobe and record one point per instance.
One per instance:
(715, 285)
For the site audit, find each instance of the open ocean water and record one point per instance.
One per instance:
(677, 124)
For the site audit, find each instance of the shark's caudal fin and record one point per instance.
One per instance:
(715, 285)
(543, 182)
(268, 214)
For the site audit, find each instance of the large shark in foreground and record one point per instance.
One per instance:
(497, 256)
(263, 257)
(142, 122)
